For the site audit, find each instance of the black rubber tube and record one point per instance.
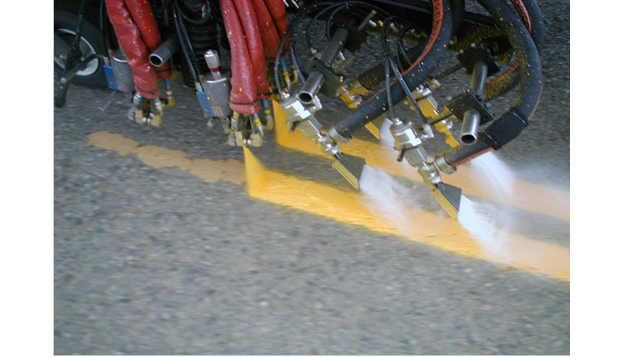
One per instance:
(510, 124)
(414, 76)
(508, 80)
(458, 7)
(376, 75)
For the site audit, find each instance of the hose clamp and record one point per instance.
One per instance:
(335, 136)
(440, 163)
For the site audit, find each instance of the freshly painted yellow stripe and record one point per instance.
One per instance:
(347, 207)
(530, 197)
(419, 226)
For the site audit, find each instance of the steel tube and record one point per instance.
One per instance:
(164, 52)
(470, 127)
(315, 80)
(479, 75)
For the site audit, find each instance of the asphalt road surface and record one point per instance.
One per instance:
(167, 242)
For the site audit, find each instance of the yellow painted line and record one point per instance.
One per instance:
(531, 197)
(160, 157)
(347, 207)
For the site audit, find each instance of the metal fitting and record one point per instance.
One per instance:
(297, 111)
(357, 88)
(440, 163)
(430, 174)
(311, 129)
(427, 132)
(335, 136)
(328, 145)
(351, 99)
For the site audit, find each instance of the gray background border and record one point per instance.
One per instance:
(26, 193)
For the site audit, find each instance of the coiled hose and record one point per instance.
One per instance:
(510, 124)
(532, 18)
(414, 76)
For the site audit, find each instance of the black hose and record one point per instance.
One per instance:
(496, 87)
(376, 75)
(190, 20)
(183, 44)
(104, 26)
(458, 8)
(414, 76)
(510, 124)
(288, 34)
(392, 64)
(508, 80)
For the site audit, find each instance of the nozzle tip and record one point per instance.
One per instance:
(449, 197)
(350, 167)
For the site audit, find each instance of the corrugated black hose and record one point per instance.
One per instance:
(506, 81)
(510, 124)
(414, 76)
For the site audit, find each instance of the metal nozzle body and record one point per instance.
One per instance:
(407, 141)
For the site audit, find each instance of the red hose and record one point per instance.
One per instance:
(247, 17)
(278, 13)
(143, 73)
(243, 94)
(146, 22)
(268, 31)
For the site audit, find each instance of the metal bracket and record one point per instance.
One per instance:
(332, 80)
(356, 37)
(467, 101)
(479, 53)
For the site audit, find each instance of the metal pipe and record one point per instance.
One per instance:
(367, 19)
(479, 75)
(311, 87)
(164, 52)
(470, 127)
(316, 79)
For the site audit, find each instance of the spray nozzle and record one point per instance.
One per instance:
(350, 167)
(449, 197)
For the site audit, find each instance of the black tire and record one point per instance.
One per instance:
(65, 24)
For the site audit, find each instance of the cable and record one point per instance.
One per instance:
(104, 26)
(162, 8)
(288, 34)
(417, 73)
(183, 41)
(291, 25)
(388, 90)
(390, 63)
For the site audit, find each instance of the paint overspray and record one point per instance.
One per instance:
(489, 170)
(386, 195)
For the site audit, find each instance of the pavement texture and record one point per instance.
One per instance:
(159, 261)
